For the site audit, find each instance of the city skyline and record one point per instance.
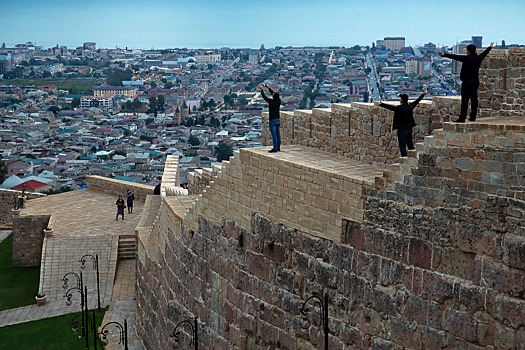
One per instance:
(236, 23)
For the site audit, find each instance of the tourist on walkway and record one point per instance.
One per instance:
(130, 197)
(274, 104)
(403, 120)
(120, 207)
(469, 79)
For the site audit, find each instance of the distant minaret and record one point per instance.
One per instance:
(332, 58)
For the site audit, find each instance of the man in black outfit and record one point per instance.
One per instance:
(274, 104)
(469, 79)
(403, 120)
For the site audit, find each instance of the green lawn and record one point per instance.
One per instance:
(49, 334)
(18, 285)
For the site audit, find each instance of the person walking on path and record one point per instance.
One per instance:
(469, 79)
(403, 120)
(120, 207)
(274, 105)
(130, 197)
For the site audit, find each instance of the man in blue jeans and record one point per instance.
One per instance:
(403, 120)
(274, 104)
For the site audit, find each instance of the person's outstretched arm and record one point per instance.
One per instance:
(460, 58)
(487, 50)
(416, 102)
(265, 97)
(384, 105)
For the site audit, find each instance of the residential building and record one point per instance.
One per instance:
(208, 58)
(394, 43)
(127, 91)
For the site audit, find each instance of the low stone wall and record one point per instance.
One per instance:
(360, 131)
(7, 202)
(502, 87)
(28, 236)
(118, 187)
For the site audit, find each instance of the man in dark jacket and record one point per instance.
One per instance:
(469, 79)
(403, 121)
(274, 104)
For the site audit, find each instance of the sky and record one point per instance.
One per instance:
(235, 23)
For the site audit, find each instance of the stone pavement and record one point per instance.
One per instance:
(4, 234)
(124, 305)
(83, 223)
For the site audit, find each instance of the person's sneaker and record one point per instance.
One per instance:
(272, 151)
(459, 120)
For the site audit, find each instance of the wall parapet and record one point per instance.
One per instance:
(118, 187)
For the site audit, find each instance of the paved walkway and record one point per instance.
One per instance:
(4, 234)
(83, 223)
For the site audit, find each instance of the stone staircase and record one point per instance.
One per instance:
(127, 247)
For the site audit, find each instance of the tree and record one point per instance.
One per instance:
(3, 170)
(160, 103)
(168, 85)
(75, 102)
(194, 140)
(54, 109)
(153, 84)
(223, 152)
(136, 104)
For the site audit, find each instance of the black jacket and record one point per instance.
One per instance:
(403, 114)
(471, 64)
(273, 105)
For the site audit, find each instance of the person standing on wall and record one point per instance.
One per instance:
(274, 105)
(469, 79)
(120, 207)
(403, 120)
(130, 197)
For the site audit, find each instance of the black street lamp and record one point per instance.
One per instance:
(323, 312)
(83, 296)
(194, 333)
(83, 306)
(123, 333)
(92, 320)
(95, 267)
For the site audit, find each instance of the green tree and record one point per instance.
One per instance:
(54, 109)
(136, 105)
(160, 103)
(194, 140)
(153, 84)
(75, 102)
(168, 85)
(223, 152)
(3, 170)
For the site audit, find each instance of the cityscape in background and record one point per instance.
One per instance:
(66, 113)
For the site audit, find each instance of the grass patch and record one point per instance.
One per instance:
(48, 334)
(18, 285)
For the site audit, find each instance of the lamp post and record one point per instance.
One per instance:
(95, 267)
(92, 320)
(83, 296)
(194, 333)
(323, 312)
(123, 333)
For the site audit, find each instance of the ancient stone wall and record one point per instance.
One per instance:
(502, 88)
(434, 260)
(7, 202)
(28, 236)
(359, 131)
(118, 187)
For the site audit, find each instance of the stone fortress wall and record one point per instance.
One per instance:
(430, 256)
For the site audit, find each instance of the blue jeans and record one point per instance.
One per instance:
(275, 130)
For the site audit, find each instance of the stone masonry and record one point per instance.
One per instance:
(430, 256)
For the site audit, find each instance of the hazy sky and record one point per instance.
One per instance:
(235, 23)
